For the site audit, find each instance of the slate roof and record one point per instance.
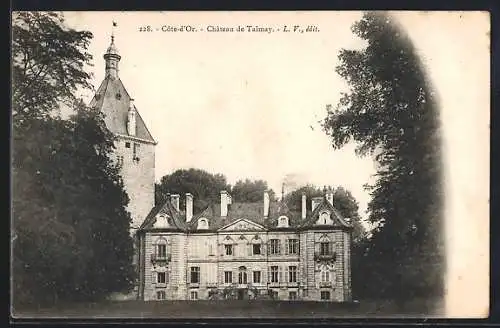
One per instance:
(250, 211)
(113, 100)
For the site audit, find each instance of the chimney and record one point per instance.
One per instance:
(189, 207)
(224, 202)
(131, 121)
(266, 204)
(316, 201)
(329, 196)
(175, 201)
(304, 209)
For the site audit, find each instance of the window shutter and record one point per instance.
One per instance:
(298, 246)
(287, 274)
(268, 274)
(316, 248)
(280, 274)
(279, 246)
(287, 241)
(154, 277)
(331, 248)
(250, 248)
(268, 247)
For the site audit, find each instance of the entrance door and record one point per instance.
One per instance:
(241, 294)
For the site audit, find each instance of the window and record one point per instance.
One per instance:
(127, 145)
(292, 273)
(325, 295)
(229, 249)
(228, 277)
(161, 278)
(282, 222)
(275, 246)
(325, 275)
(256, 277)
(325, 248)
(293, 246)
(292, 295)
(161, 251)
(210, 249)
(195, 275)
(242, 277)
(274, 274)
(160, 295)
(194, 295)
(120, 160)
(257, 249)
(324, 218)
(136, 148)
(203, 224)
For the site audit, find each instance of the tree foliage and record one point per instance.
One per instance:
(48, 61)
(250, 191)
(204, 186)
(390, 113)
(343, 201)
(70, 228)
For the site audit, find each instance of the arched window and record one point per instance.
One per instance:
(161, 248)
(324, 218)
(283, 222)
(161, 221)
(242, 275)
(202, 224)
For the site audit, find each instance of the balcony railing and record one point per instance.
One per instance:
(162, 258)
(325, 284)
(325, 256)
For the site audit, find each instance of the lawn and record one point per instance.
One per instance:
(237, 309)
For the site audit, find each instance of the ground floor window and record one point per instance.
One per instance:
(292, 295)
(256, 277)
(161, 295)
(228, 277)
(274, 294)
(194, 295)
(325, 295)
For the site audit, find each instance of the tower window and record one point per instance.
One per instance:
(118, 96)
(127, 145)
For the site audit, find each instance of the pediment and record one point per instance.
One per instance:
(243, 225)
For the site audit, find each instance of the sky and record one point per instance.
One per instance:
(247, 104)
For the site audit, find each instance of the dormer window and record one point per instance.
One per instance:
(283, 222)
(202, 224)
(118, 96)
(324, 218)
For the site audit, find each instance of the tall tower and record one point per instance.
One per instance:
(135, 147)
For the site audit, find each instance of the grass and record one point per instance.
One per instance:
(420, 308)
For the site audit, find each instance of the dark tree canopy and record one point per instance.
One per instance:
(390, 113)
(250, 191)
(204, 186)
(343, 201)
(48, 62)
(70, 228)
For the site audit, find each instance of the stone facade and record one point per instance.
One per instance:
(229, 250)
(135, 147)
(237, 256)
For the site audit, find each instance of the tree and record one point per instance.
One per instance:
(343, 201)
(391, 114)
(204, 186)
(48, 61)
(250, 191)
(70, 228)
